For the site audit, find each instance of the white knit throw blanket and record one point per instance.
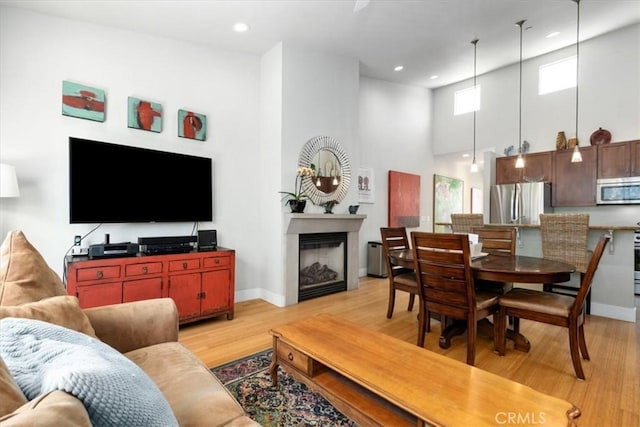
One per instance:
(43, 357)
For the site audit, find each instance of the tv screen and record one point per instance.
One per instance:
(117, 183)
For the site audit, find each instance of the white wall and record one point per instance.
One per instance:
(38, 52)
(609, 97)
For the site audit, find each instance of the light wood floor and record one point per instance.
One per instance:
(609, 397)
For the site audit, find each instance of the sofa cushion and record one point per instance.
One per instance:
(11, 398)
(24, 274)
(196, 396)
(54, 409)
(62, 310)
(43, 357)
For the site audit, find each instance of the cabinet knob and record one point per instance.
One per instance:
(99, 274)
(290, 356)
(145, 270)
(216, 261)
(184, 265)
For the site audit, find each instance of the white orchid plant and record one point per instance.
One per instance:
(297, 194)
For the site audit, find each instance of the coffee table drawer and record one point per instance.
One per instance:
(299, 361)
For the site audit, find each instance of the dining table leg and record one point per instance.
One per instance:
(485, 328)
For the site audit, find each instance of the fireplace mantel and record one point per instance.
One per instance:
(296, 224)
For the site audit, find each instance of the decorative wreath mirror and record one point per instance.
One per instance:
(333, 172)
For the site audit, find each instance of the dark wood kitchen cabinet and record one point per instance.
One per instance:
(574, 184)
(537, 167)
(619, 160)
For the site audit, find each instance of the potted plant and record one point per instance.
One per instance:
(297, 200)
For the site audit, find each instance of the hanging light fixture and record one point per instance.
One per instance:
(520, 159)
(474, 165)
(576, 157)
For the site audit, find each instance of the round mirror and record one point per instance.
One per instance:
(333, 172)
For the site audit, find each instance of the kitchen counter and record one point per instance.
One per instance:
(536, 226)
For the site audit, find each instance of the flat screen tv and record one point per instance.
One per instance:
(112, 183)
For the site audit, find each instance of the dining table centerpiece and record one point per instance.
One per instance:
(297, 200)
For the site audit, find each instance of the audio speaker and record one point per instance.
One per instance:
(207, 240)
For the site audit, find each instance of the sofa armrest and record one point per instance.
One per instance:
(134, 325)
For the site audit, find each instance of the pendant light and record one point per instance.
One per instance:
(474, 165)
(576, 157)
(520, 159)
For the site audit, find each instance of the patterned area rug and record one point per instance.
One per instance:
(290, 403)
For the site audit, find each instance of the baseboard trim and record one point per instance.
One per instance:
(614, 312)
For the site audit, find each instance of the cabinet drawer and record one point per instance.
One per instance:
(218, 261)
(142, 269)
(301, 362)
(98, 273)
(185, 264)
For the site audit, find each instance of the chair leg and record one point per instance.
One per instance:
(422, 322)
(500, 331)
(428, 321)
(471, 341)
(392, 301)
(583, 343)
(573, 348)
(412, 298)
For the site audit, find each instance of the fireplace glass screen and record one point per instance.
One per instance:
(323, 264)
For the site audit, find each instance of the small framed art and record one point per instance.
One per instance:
(192, 125)
(144, 115)
(84, 102)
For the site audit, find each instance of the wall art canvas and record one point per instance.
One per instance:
(448, 194)
(365, 186)
(476, 200)
(144, 115)
(192, 125)
(404, 199)
(82, 101)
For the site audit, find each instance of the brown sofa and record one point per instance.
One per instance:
(146, 332)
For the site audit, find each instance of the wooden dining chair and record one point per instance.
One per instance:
(564, 238)
(462, 223)
(496, 241)
(400, 278)
(554, 309)
(446, 284)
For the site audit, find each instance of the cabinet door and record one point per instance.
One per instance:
(216, 286)
(99, 294)
(574, 184)
(635, 158)
(136, 290)
(537, 167)
(506, 172)
(185, 291)
(614, 160)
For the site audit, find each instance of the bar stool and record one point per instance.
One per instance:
(564, 238)
(463, 223)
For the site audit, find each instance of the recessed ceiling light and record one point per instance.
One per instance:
(240, 27)
(555, 33)
(398, 68)
(466, 155)
(433, 77)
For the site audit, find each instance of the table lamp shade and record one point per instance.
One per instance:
(8, 181)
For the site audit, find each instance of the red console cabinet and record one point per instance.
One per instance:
(201, 283)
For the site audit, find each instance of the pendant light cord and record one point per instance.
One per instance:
(577, 64)
(520, 24)
(475, 97)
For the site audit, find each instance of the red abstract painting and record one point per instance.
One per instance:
(404, 199)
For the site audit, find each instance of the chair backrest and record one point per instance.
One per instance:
(564, 238)
(394, 239)
(443, 273)
(462, 223)
(585, 285)
(497, 240)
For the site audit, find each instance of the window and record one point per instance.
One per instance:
(464, 102)
(557, 76)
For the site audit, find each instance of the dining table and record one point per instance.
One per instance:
(498, 268)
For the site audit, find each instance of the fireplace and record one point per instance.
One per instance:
(323, 264)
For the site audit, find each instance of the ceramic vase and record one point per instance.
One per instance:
(297, 206)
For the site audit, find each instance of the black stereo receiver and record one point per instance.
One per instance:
(109, 250)
(167, 245)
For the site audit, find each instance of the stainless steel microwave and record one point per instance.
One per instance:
(618, 191)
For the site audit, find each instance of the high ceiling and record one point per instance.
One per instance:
(427, 37)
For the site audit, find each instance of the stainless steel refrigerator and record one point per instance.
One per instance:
(520, 203)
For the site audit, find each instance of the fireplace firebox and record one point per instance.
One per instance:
(323, 264)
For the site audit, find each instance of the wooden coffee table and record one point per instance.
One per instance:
(376, 379)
